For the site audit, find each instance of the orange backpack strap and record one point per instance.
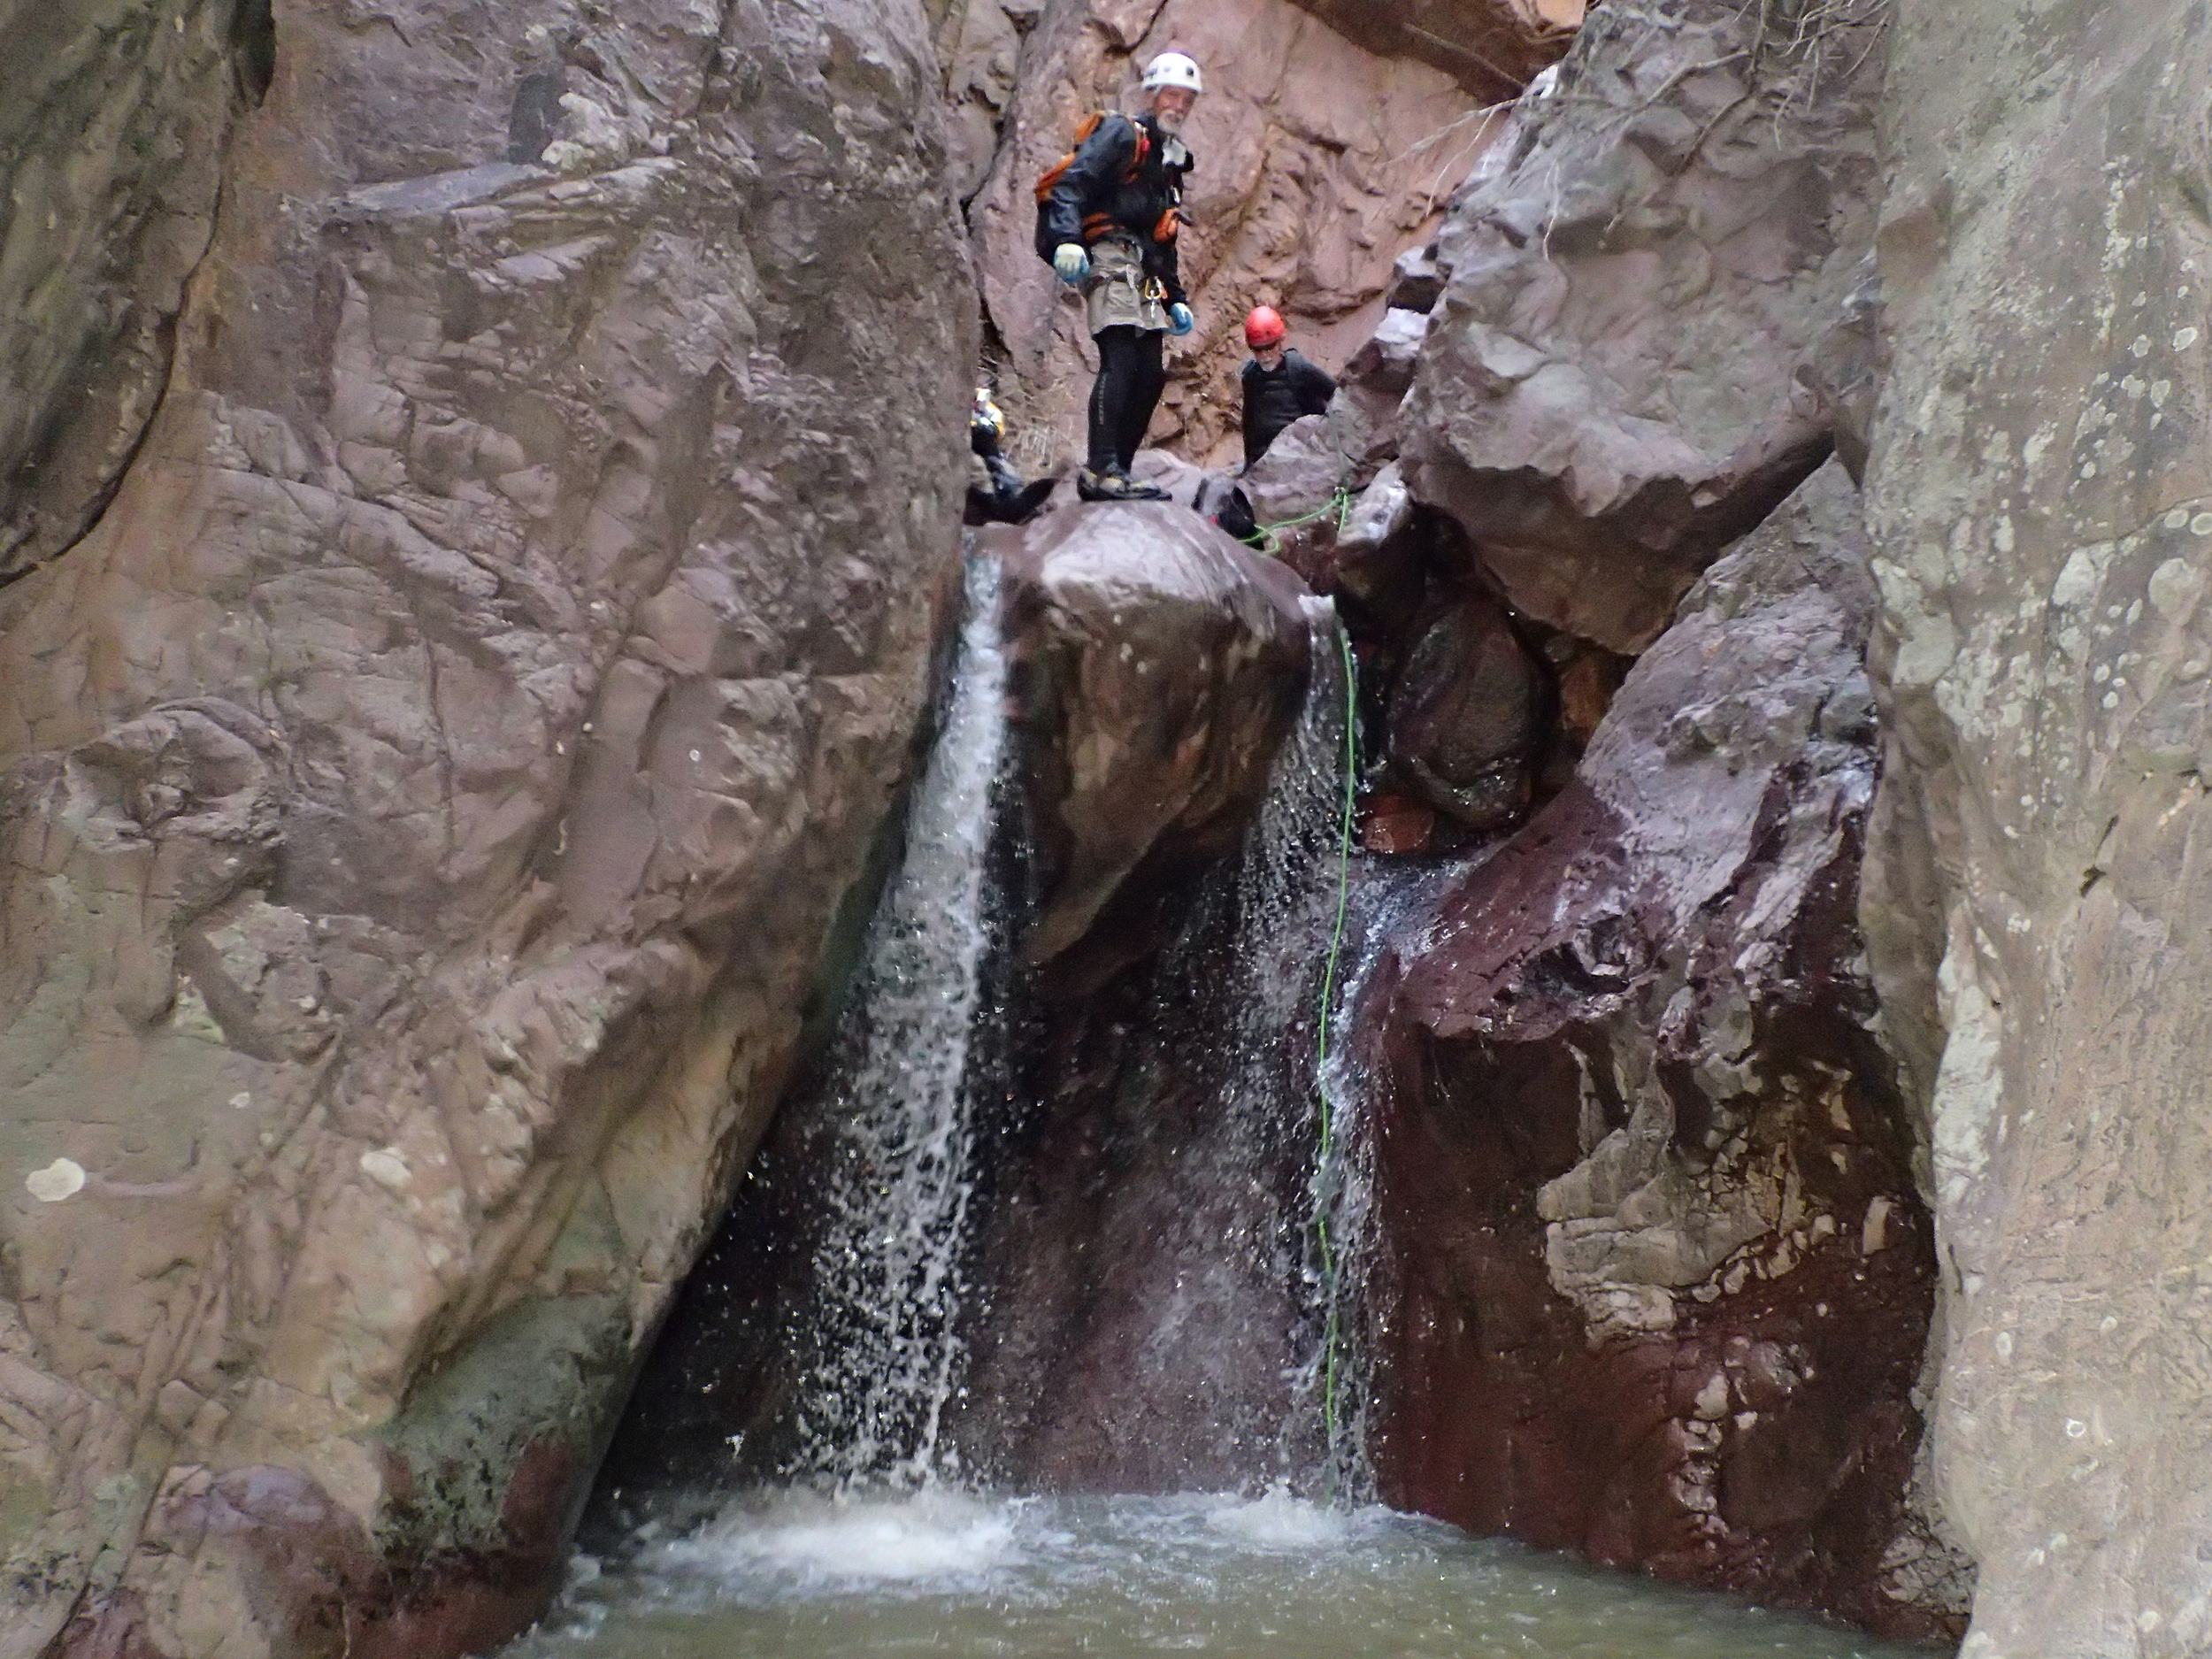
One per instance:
(1084, 129)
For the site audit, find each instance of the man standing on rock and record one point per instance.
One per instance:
(1279, 385)
(1110, 219)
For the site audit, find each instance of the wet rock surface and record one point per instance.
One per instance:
(1469, 715)
(2035, 907)
(1606, 392)
(1661, 1276)
(1157, 667)
(1124, 1325)
(114, 121)
(430, 782)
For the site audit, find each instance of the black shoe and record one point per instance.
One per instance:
(1114, 484)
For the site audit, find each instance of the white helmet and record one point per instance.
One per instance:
(1172, 69)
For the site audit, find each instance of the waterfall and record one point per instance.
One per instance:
(888, 1271)
(1253, 961)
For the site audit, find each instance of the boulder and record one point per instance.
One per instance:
(1469, 715)
(429, 782)
(1157, 665)
(1605, 397)
(1660, 1273)
(2040, 495)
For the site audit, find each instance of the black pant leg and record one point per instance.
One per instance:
(1109, 396)
(1148, 378)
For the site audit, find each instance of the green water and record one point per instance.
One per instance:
(799, 1578)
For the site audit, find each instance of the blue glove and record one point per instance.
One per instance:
(1070, 262)
(1180, 320)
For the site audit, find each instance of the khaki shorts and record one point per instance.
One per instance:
(1118, 293)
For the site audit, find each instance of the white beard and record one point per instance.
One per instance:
(1168, 123)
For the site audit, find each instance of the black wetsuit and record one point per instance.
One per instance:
(1272, 401)
(1098, 196)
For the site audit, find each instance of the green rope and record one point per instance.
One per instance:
(1340, 502)
(1330, 1347)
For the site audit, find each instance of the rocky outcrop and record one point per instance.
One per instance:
(1467, 715)
(2042, 507)
(1320, 156)
(114, 118)
(1608, 391)
(1158, 665)
(1662, 1277)
(430, 781)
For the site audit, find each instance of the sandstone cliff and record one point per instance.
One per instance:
(2037, 487)
(478, 480)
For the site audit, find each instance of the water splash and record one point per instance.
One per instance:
(888, 1269)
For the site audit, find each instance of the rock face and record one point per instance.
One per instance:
(429, 782)
(1467, 715)
(1158, 665)
(1608, 393)
(2038, 485)
(1662, 1277)
(114, 118)
(1319, 160)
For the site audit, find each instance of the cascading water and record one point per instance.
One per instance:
(888, 1275)
(1160, 1306)
(1245, 1287)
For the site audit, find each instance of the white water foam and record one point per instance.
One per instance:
(936, 1538)
(1278, 1521)
(888, 1281)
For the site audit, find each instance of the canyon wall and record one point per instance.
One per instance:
(2038, 492)
(480, 480)
(1328, 138)
(1659, 1268)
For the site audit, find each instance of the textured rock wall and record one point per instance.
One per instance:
(429, 783)
(1606, 392)
(1319, 160)
(2043, 511)
(1664, 1272)
(1660, 1277)
(114, 118)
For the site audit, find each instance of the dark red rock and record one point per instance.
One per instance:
(1391, 823)
(1661, 1276)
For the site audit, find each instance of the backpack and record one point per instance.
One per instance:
(1046, 244)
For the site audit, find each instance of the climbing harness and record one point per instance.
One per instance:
(1331, 1334)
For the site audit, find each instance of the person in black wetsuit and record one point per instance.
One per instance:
(1110, 220)
(1001, 497)
(1279, 385)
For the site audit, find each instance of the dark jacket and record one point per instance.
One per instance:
(1271, 401)
(1096, 194)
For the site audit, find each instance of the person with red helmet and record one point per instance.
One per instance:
(1279, 385)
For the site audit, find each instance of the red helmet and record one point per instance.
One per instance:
(1264, 326)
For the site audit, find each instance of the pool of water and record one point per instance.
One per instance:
(801, 1576)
